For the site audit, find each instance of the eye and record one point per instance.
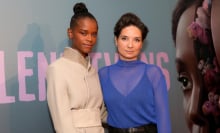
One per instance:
(124, 38)
(83, 33)
(94, 35)
(185, 82)
(137, 40)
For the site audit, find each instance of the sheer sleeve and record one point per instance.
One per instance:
(102, 77)
(158, 81)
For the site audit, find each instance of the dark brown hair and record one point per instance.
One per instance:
(180, 7)
(128, 19)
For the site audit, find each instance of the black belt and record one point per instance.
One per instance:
(149, 128)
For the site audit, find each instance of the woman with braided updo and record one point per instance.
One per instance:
(73, 89)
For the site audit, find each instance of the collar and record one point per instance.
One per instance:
(124, 63)
(75, 56)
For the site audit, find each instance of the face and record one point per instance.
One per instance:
(188, 74)
(129, 43)
(192, 83)
(84, 35)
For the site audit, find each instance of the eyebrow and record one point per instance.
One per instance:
(85, 30)
(128, 36)
(180, 64)
(81, 29)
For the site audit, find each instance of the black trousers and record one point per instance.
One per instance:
(149, 128)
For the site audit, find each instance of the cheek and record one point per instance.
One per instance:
(120, 49)
(120, 43)
(94, 39)
(120, 46)
(187, 101)
(186, 105)
(138, 47)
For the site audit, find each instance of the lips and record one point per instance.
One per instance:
(88, 45)
(129, 52)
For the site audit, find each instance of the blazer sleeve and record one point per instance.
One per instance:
(58, 101)
(103, 113)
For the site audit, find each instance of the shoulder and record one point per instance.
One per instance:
(152, 66)
(56, 63)
(103, 69)
(153, 69)
(149, 66)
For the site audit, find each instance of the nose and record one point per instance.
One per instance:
(195, 111)
(130, 44)
(89, 37)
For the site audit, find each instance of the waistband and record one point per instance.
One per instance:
(148, 128)
(86, 117)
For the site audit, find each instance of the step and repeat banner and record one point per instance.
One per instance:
(34, 34)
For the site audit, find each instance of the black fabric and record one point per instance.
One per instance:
(149, 128)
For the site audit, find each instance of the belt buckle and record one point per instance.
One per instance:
(132, 130)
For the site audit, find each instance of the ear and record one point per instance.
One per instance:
(116, 43)
(70, 33)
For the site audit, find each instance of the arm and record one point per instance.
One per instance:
(58, 101)
(103, 113)
(161, 100)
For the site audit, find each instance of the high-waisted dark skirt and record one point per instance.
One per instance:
(149, 128)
